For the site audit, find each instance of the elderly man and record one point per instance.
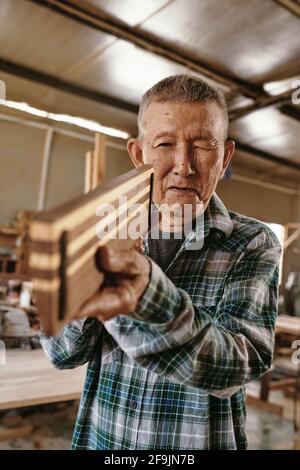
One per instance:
(176, 333)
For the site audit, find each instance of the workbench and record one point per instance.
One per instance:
(28, 379)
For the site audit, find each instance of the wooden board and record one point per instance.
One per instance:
(64, 242)
(264, 405)
(29, 379)
(288, 324)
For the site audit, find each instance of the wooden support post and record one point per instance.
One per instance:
(95, 164)
(100, 158)
(88, 171)
(94, 175)
(45, 168)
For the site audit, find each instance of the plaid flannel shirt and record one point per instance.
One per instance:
(172, 375)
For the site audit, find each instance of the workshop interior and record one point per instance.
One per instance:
(72, 76)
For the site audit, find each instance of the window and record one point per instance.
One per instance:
(279, 232)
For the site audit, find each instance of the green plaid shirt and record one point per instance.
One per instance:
(172, 375)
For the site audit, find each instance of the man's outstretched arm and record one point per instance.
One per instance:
(213, 348)
(74, 345)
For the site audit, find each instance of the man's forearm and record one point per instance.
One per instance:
(73, 346)
(206, 347)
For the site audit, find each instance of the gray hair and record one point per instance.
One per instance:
(185, 89)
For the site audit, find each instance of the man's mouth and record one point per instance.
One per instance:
(182, 189)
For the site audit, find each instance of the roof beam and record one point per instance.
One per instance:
(291, 5)
(275, 100)
(62, 85)
(255, 152)
(291, 111)
(91, 16)
(51, 81)
(282, 102)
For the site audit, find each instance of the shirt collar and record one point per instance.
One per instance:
(216, 218)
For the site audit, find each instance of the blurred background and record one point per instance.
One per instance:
(72, 75)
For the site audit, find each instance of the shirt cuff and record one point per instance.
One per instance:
(161, 300)
(74, 328)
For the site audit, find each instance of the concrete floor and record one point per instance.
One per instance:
(266, 431)
(53, 425)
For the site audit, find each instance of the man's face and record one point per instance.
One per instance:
(185, 144)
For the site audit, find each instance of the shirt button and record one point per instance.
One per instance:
(218, 236)
(133, 405)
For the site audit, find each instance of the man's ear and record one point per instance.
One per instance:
(228, 154)
(134, 148)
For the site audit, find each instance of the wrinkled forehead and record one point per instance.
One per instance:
(186, 120)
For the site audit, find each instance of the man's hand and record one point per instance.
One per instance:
(127, 274)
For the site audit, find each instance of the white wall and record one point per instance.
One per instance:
(265, 204)
(21, 154)
(21, 151)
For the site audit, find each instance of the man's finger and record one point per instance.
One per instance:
(114, 260)
(109, 302)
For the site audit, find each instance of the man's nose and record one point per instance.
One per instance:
(183, 162)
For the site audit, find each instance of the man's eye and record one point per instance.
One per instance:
(203, 147)
(206, 144)
(164, 144)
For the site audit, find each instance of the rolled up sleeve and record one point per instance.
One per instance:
(74, 345)
(214, 348)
